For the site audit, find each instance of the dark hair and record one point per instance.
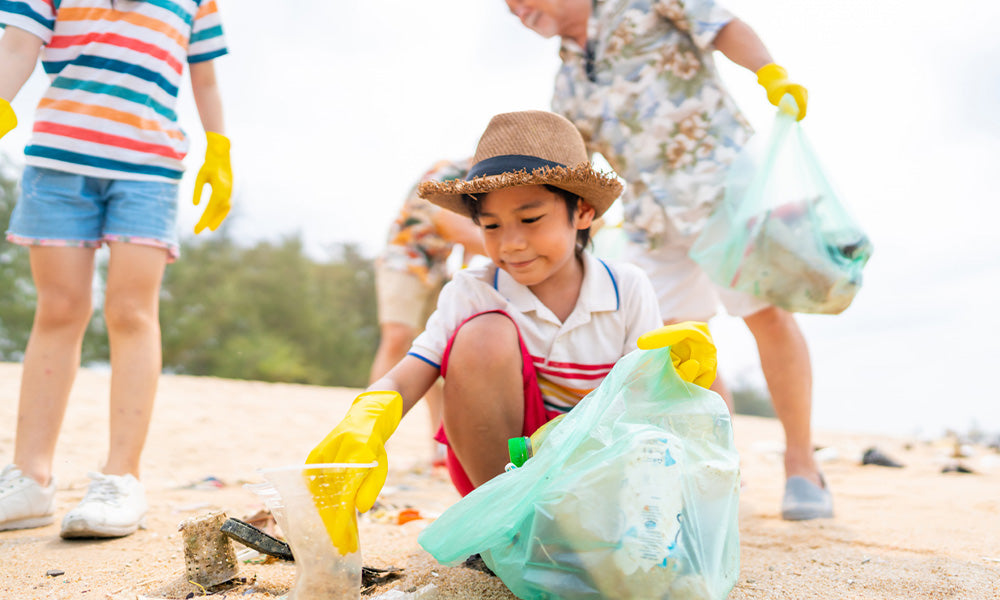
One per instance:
(474, 205)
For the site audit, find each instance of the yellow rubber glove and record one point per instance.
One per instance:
(8, 120)
(217, 173)
(775, 81)
(359, 438)
(692, 350)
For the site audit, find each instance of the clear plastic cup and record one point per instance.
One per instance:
(304, 499)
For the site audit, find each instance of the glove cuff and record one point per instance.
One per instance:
(770, 73)
(218, 144)
(387, 406)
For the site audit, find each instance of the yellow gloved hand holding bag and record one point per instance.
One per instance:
(775, 81)
(360, 438)
(8, 120)
(692, 350)
(218, 173)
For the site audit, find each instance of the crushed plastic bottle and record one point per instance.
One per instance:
(524, 447)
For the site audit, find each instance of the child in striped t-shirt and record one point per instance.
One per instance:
(103, 165)
(517, 342)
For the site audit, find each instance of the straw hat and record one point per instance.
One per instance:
(528, 148)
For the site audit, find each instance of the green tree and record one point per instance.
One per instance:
(269, 312)
(17, 293)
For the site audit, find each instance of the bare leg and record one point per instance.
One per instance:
(435, 403)
(784, 358)
(131, 310)
(394, 342)
(63, 279)
(483, 395)
(719, 387)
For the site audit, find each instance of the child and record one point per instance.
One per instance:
(523, 340)
(103, 166)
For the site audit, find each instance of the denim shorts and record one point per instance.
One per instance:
(57, 208)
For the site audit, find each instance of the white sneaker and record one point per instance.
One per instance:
(23, 502)
(114, 506)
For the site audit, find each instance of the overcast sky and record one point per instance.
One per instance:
(335, 107)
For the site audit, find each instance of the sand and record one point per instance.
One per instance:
(913, 532)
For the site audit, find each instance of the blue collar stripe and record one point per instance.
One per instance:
(508, 163)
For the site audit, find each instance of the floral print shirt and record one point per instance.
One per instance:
(414, 244)
(645, 93)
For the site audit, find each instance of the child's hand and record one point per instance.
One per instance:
(8, 120)
(692, 350)
(776, 83)
(359, 438)
(217, 173)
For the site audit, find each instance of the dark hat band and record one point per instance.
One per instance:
(508, 163)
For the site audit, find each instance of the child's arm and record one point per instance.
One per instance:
(207, 96)
(740, 44)
(18, 54)
(411, 378)
(459, 229)
(217, 171)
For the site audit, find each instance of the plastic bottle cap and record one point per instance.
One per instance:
(518, 448)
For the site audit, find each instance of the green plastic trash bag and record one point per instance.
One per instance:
(634, 494)
(781, 233)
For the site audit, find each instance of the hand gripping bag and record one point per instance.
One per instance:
(634, 494)
(780, 233)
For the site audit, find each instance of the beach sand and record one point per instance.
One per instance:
(913, 532)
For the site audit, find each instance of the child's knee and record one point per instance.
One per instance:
(489, 339)
(63, 307)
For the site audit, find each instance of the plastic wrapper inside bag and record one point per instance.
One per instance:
(634, 494)
(781, 233)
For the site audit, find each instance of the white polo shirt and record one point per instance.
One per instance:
(616, 305)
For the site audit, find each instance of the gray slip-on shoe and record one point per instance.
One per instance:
(804, 500)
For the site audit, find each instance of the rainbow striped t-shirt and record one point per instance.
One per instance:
(115, 68)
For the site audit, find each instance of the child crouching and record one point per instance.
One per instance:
(524, 339)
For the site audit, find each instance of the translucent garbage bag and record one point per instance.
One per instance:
(634, 494)
(781, 233)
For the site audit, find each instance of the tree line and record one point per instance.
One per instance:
(266, 312)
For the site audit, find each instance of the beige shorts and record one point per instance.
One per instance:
(404, 298)
(683, 289)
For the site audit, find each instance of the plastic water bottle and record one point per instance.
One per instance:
(524, 447)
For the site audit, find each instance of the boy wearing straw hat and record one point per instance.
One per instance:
(522, 340)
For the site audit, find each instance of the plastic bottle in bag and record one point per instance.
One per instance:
(524, 447)
(635, 497)
(620, 537)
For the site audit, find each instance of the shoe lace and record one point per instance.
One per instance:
(102, 489)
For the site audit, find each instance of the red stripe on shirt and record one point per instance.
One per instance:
(539, 360)
(117, 141)
(568, 375)
(113, 39)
